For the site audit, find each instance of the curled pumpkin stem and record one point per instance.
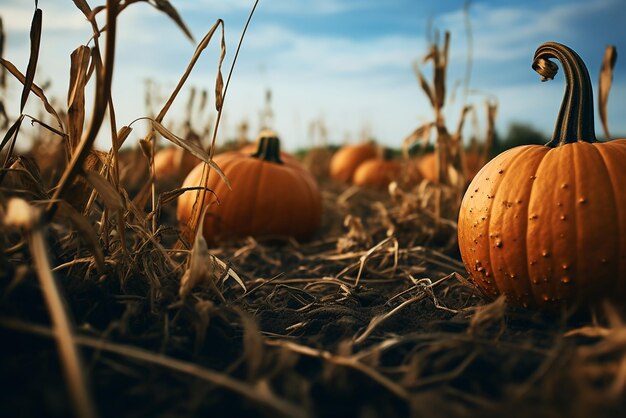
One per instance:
(575, 122)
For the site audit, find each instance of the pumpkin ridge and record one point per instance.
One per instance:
(502, 283)
(535, 293)
(254, 201)
(578, 244)
(598, 147)
(618, 147)
(215, 220)
(303, 184)
(310, 194)
(288, 220)
(472, 257)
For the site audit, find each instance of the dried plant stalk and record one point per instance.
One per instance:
(22, 215)
(35, 41)
(605, 82)
(104, 77)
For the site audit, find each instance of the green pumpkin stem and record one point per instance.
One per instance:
(575, 122)
(269, 150)
(386, 153)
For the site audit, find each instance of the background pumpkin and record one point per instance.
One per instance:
(269, 196)
(428, 166)
(173, 162)
(345, 161)
(546, 225)
(377, 172)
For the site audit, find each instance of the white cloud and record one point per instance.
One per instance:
(318, 7)
(503, 33)
(55, 17)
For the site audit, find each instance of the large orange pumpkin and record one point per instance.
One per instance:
(546, 225)
(269, 196)
(173, 162)
(377, 172)
(345, 161)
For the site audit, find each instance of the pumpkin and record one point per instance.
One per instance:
(546, 225)
(269, 196)
(377, 172)
(173, 162)
(345, 161)
(428, 166)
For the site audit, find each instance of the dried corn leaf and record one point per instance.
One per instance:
(83, 7)
(34, 88)
(606, 80)
(424, 84)
(76, 94)
(219, 82)
(146, 148)
(459, 129)
(166, 7)
(201, 267)
(167, 197)
(11, 133)
(121, 136)
(102, 95)
(106, 190)
(231, 273)
(421, 134)
(441, 64)
(85, 231)
(201, 46)
(492, 110)
(35, 41)
(3, 115)
(192, 147)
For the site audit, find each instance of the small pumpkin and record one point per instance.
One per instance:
(429, 169)
(378, 172)
(345, 161)
(546, 225)
(173, 163)
(269, 196)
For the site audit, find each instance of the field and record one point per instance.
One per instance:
(109, 306)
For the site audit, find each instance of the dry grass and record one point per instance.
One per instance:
(371, 318)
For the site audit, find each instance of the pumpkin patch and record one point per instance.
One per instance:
(458, 264)
(377, 172)
(348, 158)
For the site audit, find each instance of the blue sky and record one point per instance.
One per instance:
(346, 61)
